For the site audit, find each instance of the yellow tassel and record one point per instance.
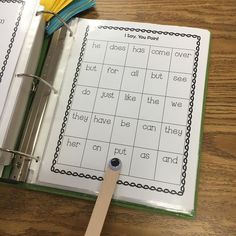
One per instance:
(54, 6)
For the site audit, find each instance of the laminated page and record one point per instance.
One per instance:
(133, 91)
(19, 89)
(15, 18)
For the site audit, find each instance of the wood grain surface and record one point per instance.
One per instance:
(24, 212)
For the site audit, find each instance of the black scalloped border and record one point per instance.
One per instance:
(3, 67)
(189, 121)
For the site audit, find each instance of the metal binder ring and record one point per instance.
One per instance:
(58, 17)
(19, 153)
(38, 78)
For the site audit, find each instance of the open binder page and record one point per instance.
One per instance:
(15, 18)
(19, 88)
(132, 91)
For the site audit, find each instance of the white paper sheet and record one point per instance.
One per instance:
(133, 91)
(15, 18)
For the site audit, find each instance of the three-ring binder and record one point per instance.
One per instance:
(21, 163)
(22, 158)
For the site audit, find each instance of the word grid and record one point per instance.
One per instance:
(131, 101)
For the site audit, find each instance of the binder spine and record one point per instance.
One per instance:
(21, 163)
(16, 155)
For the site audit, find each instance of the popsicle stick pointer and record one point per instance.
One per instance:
(104, 198)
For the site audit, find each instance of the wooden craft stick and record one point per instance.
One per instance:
(104, 198)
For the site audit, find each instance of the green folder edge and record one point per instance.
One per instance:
(34, 187)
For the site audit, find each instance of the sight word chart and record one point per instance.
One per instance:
(126, 104)
(129, 92)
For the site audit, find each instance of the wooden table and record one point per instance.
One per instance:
(31, 213)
